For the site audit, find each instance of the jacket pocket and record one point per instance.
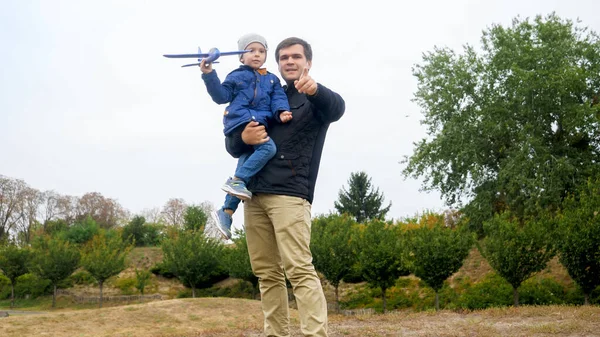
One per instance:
(289, 161)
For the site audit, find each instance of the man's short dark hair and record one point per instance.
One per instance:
(290, 41)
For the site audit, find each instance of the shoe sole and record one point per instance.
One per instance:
(235, 193)
(215, 218)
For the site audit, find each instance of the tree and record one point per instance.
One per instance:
(28, 208)
(192, 257)
(238, 261)
(55, 260)
(361, 201)
(513, 126)
(332, 250)
(152, 215)
(173, 212)
(194, 218)
(437, 252)
(11, 200)
(142, 278)
(105, 211)
(579, 248)
(517, 248)
(382, 255)
(13, 263)
(82, 231)
(141, 232)
(104, 257)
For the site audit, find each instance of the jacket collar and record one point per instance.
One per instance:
(262, 71)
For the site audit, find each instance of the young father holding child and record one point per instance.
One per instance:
(277, 219)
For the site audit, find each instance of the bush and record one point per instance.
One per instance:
(31, 285)
(541, 292)
(241, 289)
(361, 297)
(65, 284)
(126, 285)
(160, 269)
(492, 291)
(576, 296)
(4, 287)
(354, 275)
(83, 278)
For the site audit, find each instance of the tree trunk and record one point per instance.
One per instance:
(437, 301)
(193, 292)
(100, 302)
(384, 300)
(12, 295)
(515, 297)
(54, 297)
(586, 299)
(337, 299)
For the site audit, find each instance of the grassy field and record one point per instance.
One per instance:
(240, 317)
(220, 317)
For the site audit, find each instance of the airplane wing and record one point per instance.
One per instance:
(190, 65)
(180, 56)
(195, 64)
(234, 52)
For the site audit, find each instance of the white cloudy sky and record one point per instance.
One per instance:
(88, 103)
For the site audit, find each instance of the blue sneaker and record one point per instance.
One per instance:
(223, 222)
(237, 188)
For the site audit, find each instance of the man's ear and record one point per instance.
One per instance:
(308, 64)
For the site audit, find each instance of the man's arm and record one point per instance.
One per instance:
(253, 134)
(235, 146)
(330, 106)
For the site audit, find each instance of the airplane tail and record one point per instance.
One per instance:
(194, 64)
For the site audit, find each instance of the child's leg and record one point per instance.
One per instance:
(237, 186)
(254, 162)
(231, 204)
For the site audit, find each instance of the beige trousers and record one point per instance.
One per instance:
(278, 235)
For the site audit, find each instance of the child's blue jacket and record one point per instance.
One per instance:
(252, 94)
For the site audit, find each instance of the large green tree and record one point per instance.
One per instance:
(382, 255)
(194, 218)
(142, 233)
(54, 259)
(579, 248)
(14, 262)
(332, 249)
(104, 257)
(361, 200)
(517, 248)
(437, 252)
(193, 257)
(512, 124)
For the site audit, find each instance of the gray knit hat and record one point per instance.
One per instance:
(247, 39)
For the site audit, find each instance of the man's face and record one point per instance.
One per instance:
(292, 62)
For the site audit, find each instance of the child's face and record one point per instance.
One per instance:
(256, 57)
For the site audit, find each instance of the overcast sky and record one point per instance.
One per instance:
(88, 103)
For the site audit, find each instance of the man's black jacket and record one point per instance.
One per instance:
(294, 169)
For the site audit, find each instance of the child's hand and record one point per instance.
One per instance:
(206, 68)
(285, 116)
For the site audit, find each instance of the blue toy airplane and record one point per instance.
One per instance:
(210, 57)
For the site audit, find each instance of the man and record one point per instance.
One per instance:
(278, 217)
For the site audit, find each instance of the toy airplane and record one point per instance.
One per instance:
(210, 57)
